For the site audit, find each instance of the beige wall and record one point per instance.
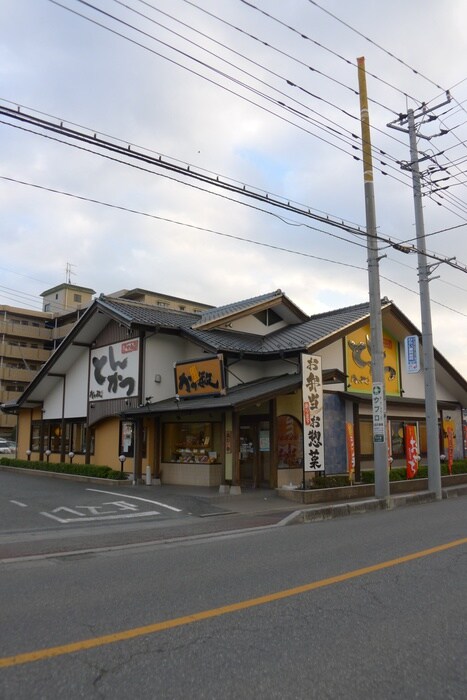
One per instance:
(106, 445)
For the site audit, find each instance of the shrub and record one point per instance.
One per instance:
(400, 473)
(328, 482)
(93, 470)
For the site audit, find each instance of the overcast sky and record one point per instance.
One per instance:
(262, 93)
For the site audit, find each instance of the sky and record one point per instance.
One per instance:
(262, 94)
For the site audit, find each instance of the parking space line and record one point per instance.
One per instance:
(18, 503)
(138, 498)
(86, 519)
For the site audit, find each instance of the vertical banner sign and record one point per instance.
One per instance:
(448, 434)
(388, 432)
(411, 451)
(350, 450)
(379, 418)
(312, 392)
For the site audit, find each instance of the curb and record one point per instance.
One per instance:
(339, 510)
(66, 477)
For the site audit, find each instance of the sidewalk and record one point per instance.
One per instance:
(261, 501)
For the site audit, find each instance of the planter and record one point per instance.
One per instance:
(345, 493)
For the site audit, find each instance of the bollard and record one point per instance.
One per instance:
(148, 475)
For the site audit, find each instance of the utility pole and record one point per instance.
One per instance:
(376, 323)
(424, 271)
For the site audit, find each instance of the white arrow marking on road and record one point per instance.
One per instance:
(138, 498)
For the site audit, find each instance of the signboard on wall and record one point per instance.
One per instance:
(203, 377)
(313, 432)
(412, 354)
(114, 371)
(358, 362)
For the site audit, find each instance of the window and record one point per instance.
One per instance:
(268, 317)
(198, 443)
(289, 442)
(366, 437)
(75, 436)
(397, 433)
(77, 298)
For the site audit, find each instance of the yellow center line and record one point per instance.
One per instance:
(125, 635)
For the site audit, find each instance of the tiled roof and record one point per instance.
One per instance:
(295, 337)
(236, 307)
(148, 315)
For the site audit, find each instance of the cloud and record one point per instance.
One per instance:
(63, 65)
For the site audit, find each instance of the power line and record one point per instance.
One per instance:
(191, 173)
(275, 102)
(374, 43)
(222, 234)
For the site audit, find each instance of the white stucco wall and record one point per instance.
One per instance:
(76, 389)
(160, 352)
(248, 370)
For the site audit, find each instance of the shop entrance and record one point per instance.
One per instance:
(255, 454)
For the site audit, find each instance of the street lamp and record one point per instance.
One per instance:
(28, 453)
(122, 459)
(47, 454)
(71, 455)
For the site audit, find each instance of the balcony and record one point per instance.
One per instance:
(18, 330)
(13, 374)
(19, 352)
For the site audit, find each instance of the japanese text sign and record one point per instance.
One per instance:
(114, 371)
(313, 432)
(204, 377)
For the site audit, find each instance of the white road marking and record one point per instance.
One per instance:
(18, 503)
(138, 498)
(83, 518)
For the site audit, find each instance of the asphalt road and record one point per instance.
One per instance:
(42, 515)
(369, 606)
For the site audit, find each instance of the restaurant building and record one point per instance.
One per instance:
(253, 393)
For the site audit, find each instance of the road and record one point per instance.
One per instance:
(42, 515)
(372, 605)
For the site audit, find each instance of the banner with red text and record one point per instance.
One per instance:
(411, 450)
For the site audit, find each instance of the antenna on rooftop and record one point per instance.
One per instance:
(69, 272)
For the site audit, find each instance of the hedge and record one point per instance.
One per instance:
(62, 468)
(400, 473)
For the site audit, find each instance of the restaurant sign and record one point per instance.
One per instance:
(313, 434)
(202, 377)
(114, 371)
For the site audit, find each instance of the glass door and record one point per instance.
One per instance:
(255, 460)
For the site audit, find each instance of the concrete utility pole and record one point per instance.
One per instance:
(431, 404)
(376, 323)
(424, 271)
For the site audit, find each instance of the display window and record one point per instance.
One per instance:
(289, 442)
(194, 443)
(396, 428)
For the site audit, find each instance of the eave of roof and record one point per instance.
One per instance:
(235, 398)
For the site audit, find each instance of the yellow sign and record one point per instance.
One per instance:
(204, 377)
(358, 362)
